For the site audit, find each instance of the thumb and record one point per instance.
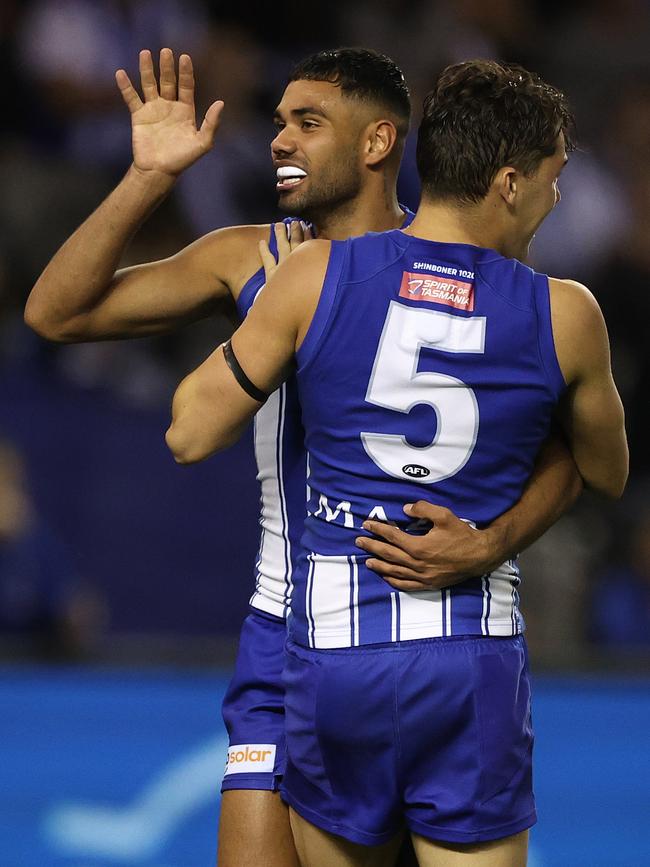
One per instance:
(428, 511)
(211, 122)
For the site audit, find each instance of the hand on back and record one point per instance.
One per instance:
(165, 135)
(287, 237)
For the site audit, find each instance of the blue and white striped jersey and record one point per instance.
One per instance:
(428, 372)
(281, 471)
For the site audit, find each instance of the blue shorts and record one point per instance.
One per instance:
(253, 707)
(434, 734)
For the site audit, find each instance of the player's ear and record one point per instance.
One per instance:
(380, 141)
(505, 183)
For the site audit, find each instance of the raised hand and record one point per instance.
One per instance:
(165, 135)
(287, 237)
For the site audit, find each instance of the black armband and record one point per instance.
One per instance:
(250, 389)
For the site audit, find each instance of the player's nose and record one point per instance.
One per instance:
(283, 143)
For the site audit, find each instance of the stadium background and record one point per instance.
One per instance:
(121, 596)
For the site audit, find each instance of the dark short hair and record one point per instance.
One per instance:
(361, 74)
(481, 116)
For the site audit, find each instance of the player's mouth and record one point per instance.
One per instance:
(289, 177)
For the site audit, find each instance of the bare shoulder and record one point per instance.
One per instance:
(579, 329)
(574, 297)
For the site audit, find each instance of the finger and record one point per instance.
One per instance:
(387, 553)
(297, 235)
(185, 80)
(406, 586)
(391, 534)
(210, 124)
(429, 511)
(167, 74)
(147, 77)
(397, 576)
(129, 94)
(308, 231)
(281, 239)
(267, 257)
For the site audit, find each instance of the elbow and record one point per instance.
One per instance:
(616, 488)
(181, 446)
(611, 491)
(37, 319)
(611, 487)
(181, 436)
(191, 436)
(189, 445)
(619, 480)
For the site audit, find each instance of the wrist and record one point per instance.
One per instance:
(495, 546)
(150, 182)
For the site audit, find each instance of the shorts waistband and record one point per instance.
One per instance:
(500, 641)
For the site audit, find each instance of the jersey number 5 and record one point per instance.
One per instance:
(395, 384)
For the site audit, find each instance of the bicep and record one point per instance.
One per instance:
(209, 412)
(265, 343)
(591, 411)
(211, 406)
(592, 414)
(160, 296)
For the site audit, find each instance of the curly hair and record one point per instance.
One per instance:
(481, 116)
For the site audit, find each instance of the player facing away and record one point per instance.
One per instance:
(334, 111)
(430, 363)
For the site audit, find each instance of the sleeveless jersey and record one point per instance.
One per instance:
(428, 372)
(281, 472)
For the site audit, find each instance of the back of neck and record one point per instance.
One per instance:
(455, 224)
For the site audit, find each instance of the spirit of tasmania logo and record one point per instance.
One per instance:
(437, 290)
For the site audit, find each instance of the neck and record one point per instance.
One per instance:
(479, 225)
(373, 210)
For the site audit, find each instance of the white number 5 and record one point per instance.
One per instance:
(396, 385)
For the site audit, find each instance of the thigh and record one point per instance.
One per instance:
(318, 848)
(254, 831)
(508, 852)
(253, 708)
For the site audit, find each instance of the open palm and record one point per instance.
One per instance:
(165, 136)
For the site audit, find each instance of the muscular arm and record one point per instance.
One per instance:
(591, 411)
(552, 489)
(210, 409)
(80, 296)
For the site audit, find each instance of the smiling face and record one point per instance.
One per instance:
(318, 149)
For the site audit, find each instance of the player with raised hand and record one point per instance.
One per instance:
(340, 127)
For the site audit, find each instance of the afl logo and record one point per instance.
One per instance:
(415, 471)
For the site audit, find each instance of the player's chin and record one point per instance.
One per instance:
(289, 202)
